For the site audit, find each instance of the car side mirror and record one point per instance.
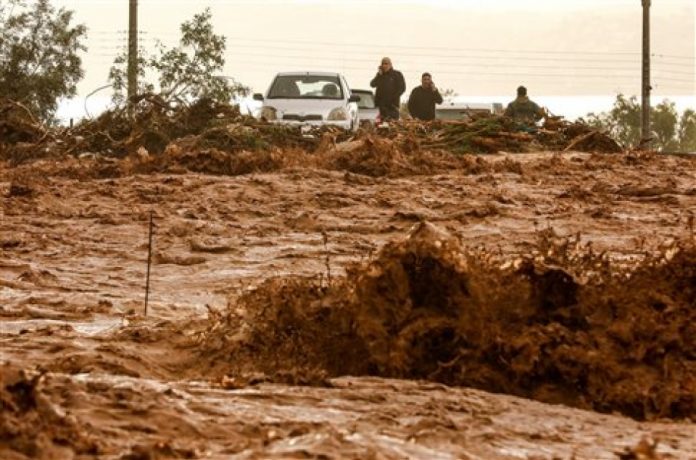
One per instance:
(354, 98)
(258, 97)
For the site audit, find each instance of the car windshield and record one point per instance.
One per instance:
(367, 100)
(306, 87)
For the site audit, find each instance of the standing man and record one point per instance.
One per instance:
(524, 110)
(390, 86)
(421, 103)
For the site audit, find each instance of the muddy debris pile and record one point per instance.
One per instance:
(216, 129)
(21, 135)
(202, 126)
(560, 326)
(153, 125)
(33, 427)
(17, 124)
(368, 155)
(492, 134)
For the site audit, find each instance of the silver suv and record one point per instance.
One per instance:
(367, 111)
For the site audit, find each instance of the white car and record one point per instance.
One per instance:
(310, 99)
(452, 110)
(367, 110)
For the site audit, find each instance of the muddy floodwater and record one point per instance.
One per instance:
(531, 306)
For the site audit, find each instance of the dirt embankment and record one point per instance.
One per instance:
(566, 327)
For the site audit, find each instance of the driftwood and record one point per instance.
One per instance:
(594, 141)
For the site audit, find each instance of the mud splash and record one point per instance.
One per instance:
(564, 327)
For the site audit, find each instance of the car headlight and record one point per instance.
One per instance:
(338, 114)
(269, 113)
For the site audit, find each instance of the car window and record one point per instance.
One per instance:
(367, 100)
(306, 87)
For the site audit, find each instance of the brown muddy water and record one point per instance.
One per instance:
(546, 310)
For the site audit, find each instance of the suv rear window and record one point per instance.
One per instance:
(367, 100)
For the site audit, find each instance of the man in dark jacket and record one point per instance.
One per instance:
(523, 109)
(421, 103)
(390, 86)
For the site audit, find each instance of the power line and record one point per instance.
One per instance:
(365, 59)
(410, 69)
(625, 79)
(456, 69)
(454, 64)
(445, 48)
(347, 55)
(315, 43)
(614, 64)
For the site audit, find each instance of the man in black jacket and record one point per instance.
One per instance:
(421, 104)
(390, 86)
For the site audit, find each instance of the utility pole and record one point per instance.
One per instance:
(645, 100)
(132, 49)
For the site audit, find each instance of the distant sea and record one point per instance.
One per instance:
(573, 107)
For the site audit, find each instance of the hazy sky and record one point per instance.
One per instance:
(476, 47)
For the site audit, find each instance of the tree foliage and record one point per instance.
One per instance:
(187, 72)
(664, 122)
(670, 132)
(39, 54)
(118, 77)
(687, 131)
(622, 121)
(448, 93)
